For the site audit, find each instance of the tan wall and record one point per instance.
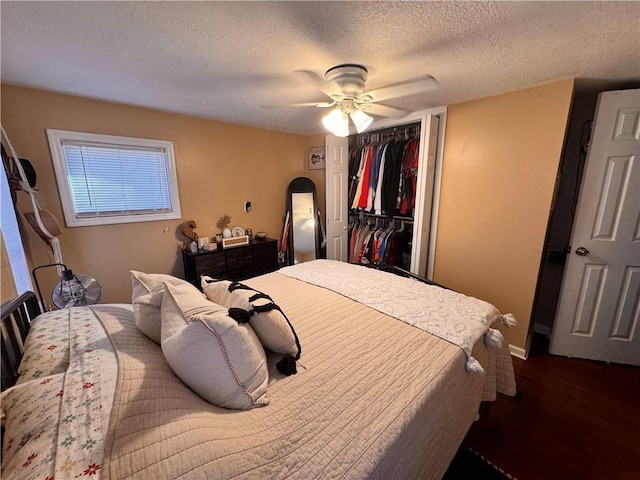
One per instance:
(501, 158)
(219, 166)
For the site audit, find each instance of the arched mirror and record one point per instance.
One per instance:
(302, 206)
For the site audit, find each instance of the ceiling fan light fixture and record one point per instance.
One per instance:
(337, 122)
(361, 120)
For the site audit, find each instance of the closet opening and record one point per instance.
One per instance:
(383, 181)
(383, 172)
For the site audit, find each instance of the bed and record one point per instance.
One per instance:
(374, 396)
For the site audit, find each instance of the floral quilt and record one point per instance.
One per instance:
(47, 347)
(57, 416)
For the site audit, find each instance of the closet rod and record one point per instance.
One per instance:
(407, 131)
(384, 217)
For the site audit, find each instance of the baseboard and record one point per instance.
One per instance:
(517, 352)
(542, 329)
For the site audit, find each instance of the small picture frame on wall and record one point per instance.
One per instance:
(317, 158)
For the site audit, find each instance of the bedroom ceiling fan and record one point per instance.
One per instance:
(345, 85)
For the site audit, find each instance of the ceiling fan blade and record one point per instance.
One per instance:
(304, 104)
(386, 110)
(321, 84)
(403, 89)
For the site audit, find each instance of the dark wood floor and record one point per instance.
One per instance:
(571, 419)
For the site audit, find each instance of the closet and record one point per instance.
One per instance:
(382, 190)
(383, 167)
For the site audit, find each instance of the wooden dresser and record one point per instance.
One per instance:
(232, 263)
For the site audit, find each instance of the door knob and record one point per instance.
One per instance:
(583, 252)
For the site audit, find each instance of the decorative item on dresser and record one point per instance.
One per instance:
(232, 263)
(223, 224)
(235, 241)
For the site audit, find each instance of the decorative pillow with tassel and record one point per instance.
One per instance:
(218, 358)
(258, 309)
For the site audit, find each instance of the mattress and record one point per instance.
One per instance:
(373, 398)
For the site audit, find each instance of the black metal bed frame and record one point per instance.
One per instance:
(16, 321)
(402, 273)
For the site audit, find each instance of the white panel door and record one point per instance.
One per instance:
(599, 308)
(337, 184)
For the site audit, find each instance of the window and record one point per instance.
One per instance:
(103, 179)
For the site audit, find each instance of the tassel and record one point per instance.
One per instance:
(265, 308)
(473, 366)
(509, 320)
(240, 315)
(237, 285)
(287, 366)
(493, 338)
(259, 296)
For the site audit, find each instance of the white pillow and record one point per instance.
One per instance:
(218, 358)
(146, 298)
(147, 314)
(272, 327)
(218, 292)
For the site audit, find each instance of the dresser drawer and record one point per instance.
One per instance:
(265, 252)
(242, 257)
(211, 263)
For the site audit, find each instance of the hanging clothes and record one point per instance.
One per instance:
(377, 202)
(410, 175)
(373, 176)
(368, 154)
(383, 170)
(380, 242)
(383, 174)
(356, 164)
(392, 176)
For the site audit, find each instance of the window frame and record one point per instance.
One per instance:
(57, 137)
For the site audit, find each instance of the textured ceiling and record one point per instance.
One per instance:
(223, 60)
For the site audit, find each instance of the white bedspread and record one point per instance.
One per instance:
(446, 314)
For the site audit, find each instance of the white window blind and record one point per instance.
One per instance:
(116, 180)
(109, 179)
